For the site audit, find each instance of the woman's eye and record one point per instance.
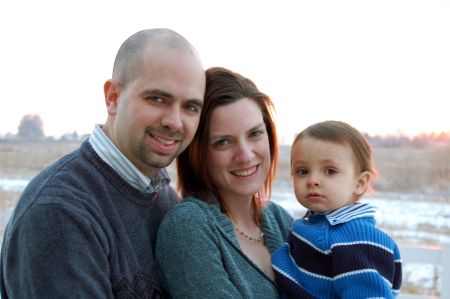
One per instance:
(221, 142)
(255, 133)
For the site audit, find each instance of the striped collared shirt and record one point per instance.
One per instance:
(109, 153)
(348, 213)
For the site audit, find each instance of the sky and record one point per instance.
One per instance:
(382, 66)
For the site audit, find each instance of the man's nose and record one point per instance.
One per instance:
(172, 118)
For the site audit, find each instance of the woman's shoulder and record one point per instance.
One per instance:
(187, 205)
(188, 209)
(276, 210)
(275, 213)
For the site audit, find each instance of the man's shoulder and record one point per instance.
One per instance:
(58, 184)
(61, 175)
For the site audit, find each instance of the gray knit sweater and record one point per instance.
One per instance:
(198, 255)
(81, 231)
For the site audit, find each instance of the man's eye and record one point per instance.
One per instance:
(193, 108)
(155, 99)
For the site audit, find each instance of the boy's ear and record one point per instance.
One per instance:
(111, 90)
(362, 183)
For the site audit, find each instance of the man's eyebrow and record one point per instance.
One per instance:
(197, 102)
(165, 94)
(157, 92)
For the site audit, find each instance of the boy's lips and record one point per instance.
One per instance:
(313, 196)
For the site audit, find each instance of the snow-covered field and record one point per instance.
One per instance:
(13, 184)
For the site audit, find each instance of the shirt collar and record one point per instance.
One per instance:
(347, 213)
(109, 153)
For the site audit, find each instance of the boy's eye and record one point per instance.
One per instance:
(301, 171)
(330, 171)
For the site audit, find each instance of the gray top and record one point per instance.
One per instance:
(81, 231)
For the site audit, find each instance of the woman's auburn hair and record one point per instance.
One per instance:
(224, 87)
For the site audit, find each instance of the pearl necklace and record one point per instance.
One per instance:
(260, 238)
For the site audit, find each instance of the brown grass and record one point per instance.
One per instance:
(26, 159)
(420, 170)
(424, 171)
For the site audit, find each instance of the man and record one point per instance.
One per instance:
(85, 227)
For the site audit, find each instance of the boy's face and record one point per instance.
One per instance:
(325, 175)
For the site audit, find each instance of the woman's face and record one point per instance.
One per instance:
(238, 149)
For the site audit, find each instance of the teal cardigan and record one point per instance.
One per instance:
(198, 254)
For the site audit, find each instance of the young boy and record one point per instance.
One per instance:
(335, 250)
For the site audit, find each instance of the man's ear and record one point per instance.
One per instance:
(362, 184)
(112, 92)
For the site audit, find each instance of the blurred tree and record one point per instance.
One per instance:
(31, 127)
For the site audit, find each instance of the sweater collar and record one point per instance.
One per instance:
(224, 224)
(109, 153)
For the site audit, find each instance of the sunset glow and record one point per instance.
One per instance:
(382, 66)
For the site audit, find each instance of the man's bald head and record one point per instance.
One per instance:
(129, 58)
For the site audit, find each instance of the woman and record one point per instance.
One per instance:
(217, 243)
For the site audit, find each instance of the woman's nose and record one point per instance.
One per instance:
(244, 152)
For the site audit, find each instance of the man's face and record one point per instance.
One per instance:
(157, 114)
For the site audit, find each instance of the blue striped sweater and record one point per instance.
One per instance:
(341, 254)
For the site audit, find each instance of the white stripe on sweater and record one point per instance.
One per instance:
(347, 213)
(361, 242)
